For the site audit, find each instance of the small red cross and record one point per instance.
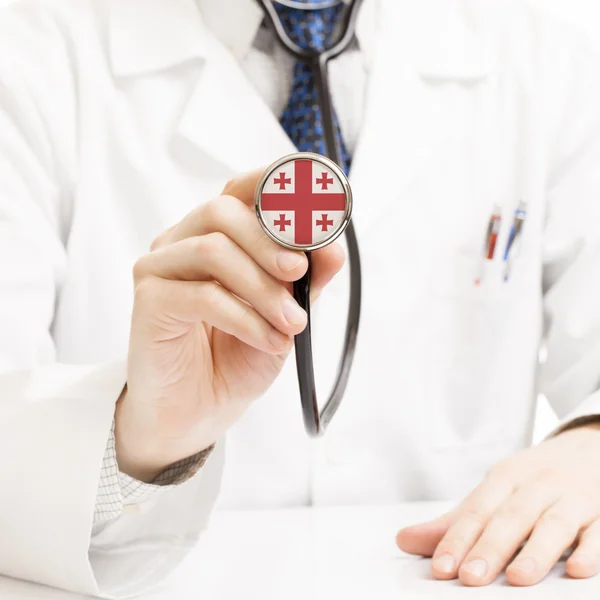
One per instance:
(282, 181)
(324, 223)
(281, 223)
(324, 181)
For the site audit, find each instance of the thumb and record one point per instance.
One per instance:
(423, 538)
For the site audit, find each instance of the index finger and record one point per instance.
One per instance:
(326, 262)
(241, 187)
(241, 225)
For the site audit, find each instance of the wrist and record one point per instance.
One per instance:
(143, 451)
(131, 448)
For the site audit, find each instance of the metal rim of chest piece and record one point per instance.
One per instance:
(313, 158)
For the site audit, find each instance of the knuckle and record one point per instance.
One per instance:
(198, 246)
(219, 209)
(210, 292)
(549, 486)
(227, 201)
(206, 248)
(558, 519)
(218, 242)
(510, 509)
(156, 242)
(512, 513)
(230, 186)
(141, 268)
(210, 213)
(162, 239)
(245, 316)
(147, 291)
(457, 538)
(500, 470)
(475, 515)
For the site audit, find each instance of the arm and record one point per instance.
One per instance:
(55, 420)
(535, 505)
(204, 344)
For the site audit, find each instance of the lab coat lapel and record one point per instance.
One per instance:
(409, 115)
(224, 117)
(227, 120)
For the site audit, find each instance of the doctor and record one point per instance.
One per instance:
(130, 135)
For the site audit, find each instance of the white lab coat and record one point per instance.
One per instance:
(118, 119)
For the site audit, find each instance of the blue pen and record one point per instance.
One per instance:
(514, 234)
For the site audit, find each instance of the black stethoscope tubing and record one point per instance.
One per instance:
(316, 421)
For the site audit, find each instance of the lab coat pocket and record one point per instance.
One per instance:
(466, 399)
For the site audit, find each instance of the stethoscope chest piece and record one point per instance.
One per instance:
(303, 201)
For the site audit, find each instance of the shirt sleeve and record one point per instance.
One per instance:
(118, 492)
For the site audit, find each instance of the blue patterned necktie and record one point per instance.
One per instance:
(311, 29)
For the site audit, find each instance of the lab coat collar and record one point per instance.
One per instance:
(236, 23)
(452, 39)
(447, 41)
(153, 35)
(164, 33)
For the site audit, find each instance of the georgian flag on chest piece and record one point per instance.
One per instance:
(304, 202)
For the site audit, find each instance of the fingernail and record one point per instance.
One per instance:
(444, 563)
(288, 261)
(526, 565)
(477, 568)
(278, 340)
(292, 312)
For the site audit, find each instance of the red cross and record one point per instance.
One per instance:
(324, 181)
(303, 202)
(324, 223)
(282, 223)
(282, 181)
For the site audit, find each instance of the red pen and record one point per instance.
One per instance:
(491, 239)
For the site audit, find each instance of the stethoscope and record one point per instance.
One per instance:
(315, 419)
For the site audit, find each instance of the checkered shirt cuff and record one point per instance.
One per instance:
(117, 490)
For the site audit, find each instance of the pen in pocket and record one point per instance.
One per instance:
(491, 238)
(514, 235)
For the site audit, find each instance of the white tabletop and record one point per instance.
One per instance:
(318, 554)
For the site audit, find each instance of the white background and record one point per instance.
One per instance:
(584, 14)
